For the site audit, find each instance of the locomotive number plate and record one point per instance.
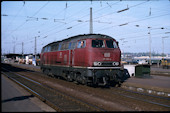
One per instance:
(106, 54)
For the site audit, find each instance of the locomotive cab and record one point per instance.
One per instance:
(104, 61)
(104, 53)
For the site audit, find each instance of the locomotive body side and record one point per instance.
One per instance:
(84, 60)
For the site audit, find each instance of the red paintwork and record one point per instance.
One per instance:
(83, 57)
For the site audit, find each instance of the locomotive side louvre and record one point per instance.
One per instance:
(91, 58)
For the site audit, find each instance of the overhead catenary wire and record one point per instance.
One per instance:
(10, 23)
(115, 35)
(133, 21)
(99, 17)
(32, 15)
(153, 28)
(27, 21)
(107, 28)
(70, 26)
(82, 17)
(117, 11)
(136, 37)
(79, 23)
(40, 9)
(59, 20)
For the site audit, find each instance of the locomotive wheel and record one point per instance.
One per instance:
(69, 78)
(75, 78)
(83, 80)
(50, 74)
(47, 72)
(43, 70)
(80, 79)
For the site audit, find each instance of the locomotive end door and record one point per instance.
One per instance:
(71, 58)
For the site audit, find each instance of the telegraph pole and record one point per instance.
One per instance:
(14, 45)
(22, 49)
(91, 22)
(163, 45)
(14, 48)
(149, 45)
(35, 50)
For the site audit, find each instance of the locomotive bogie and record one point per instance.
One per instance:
(86, 76)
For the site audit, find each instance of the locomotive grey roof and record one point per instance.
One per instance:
(83, 36)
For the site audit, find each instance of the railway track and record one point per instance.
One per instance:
(134, 100)
(156, 101)
(54, 98)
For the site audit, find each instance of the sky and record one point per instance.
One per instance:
(136, 24)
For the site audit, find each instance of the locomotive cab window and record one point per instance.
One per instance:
(59, 47)
(69, 46)
(98, 44)
(111, 44)
(54, 47)
(73, 45)
(45, 50)
(49, 49)
(81, 44)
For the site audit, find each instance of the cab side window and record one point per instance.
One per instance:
(69, 46)
(59, 47)
(81, 44)
(54, 47)
(49, 49)
(45, 50)
(73, 45)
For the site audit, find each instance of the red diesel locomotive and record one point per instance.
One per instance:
(88, 59)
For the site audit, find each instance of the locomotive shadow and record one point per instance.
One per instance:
(19, 98)
(13, 68)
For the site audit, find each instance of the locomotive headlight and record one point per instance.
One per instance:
(115, 63)
(97, 63)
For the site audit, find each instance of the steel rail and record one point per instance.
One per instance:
(145, 94)
(138, 98)
(87, 105)
(34, 93)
